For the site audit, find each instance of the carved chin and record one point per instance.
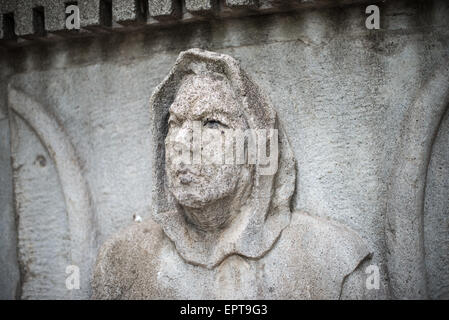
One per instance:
(198, 191)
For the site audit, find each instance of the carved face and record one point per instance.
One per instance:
(204, 103)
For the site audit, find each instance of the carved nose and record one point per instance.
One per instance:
(184, 135)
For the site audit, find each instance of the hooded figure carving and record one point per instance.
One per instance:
(224, 229)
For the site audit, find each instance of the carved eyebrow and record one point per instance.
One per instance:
(213, 121)
(208, 113)
(223, 116)
(200, 113)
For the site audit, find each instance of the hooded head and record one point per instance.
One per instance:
(215, 192)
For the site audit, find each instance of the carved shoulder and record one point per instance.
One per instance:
(121, 259)
(326, 250)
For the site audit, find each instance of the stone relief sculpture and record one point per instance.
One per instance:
(224, 230)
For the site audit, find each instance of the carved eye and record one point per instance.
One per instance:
(214, 124)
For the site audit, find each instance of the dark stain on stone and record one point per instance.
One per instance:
(40, 159)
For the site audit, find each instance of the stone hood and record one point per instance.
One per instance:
(267, 210)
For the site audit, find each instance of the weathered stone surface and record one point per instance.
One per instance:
(54, 12)
(43, 237)
(142, 263)
(9, 270)
(72, 194)
(436, 215)
(113, 206)
(89, 12)
(125, 11)
(345, 96)
(196, 6)
(241, 3)
(128, 13)
(405, 215)
(6, 7)
(161, 9)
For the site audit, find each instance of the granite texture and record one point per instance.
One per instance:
(9, 269)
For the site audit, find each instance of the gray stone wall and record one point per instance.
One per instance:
(436, 214)
(9, 271)
(362, 109)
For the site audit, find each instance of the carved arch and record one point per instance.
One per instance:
(74, 187)
(405, 205)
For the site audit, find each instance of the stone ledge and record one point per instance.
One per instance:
(44, 20)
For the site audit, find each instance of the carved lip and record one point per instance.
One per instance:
(187, 176)
(186, 171)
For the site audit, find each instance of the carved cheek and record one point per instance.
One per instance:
(178, 146)
(168, 146)
(212, 147)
